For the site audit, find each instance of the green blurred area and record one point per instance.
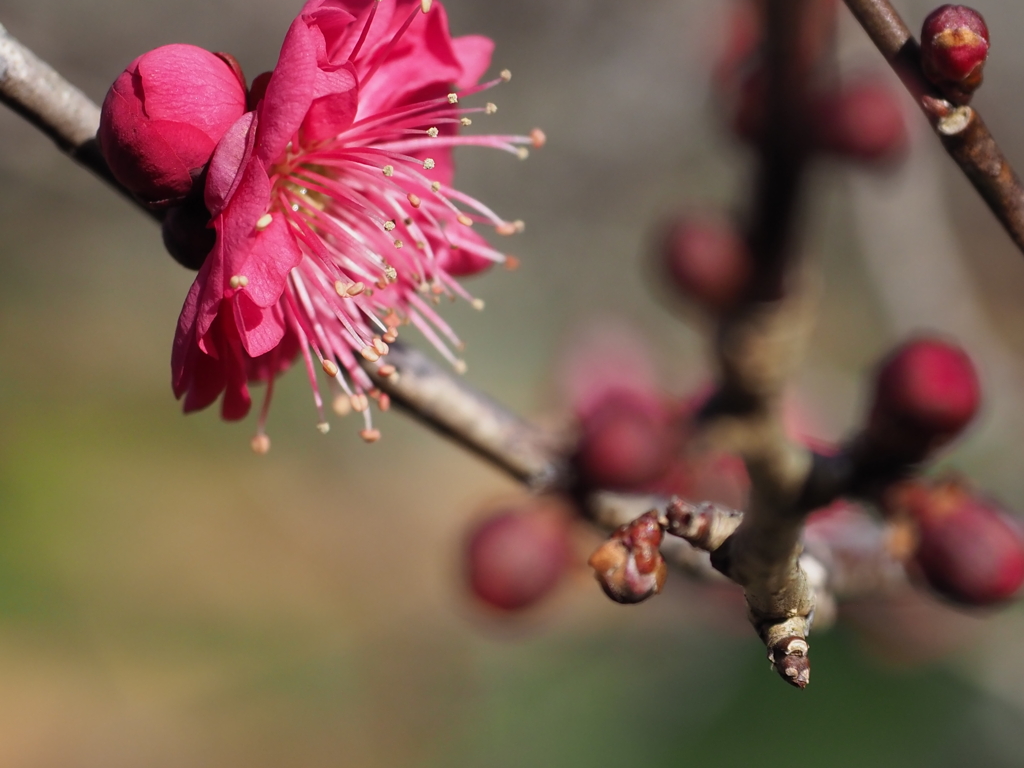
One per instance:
(167, 598)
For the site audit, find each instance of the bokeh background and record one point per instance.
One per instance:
(167, 598)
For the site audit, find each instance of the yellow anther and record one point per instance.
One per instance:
(490, 108)
(506, 228)
(389, 225)
(435, 186)
(477, 304)
(380, 347)
(355, 289)
(460, 366)
(428, 163)
(425, 5)
(323, 427)
(370, 354)
(389, 170)
(523, 153)
(432, 132)
(453, 98)
(342, 405)
(238, 281)
(506, 75)
(263, 222)
(330, 368)
(360, 402)
(390, 272)
(464, 220)
(390, 337)
(466, 121)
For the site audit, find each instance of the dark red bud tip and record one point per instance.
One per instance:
(627, 441)
(969, 550)
(862, 121)
(926, 392)
(789, 659)
(629, 567)
(516, 557)
(707, 261)
(187, 234)
(954, 46)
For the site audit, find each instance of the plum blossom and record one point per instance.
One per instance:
(336, 222)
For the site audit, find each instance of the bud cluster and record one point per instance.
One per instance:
(162, 119)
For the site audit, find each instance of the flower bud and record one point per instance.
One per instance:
(861, 121)
(926, 392)
(627, 441)
(187, 234)
(968, 549)
(707, 261)
(629, 566)
(517, 556)
(954, 46)
(162, 118)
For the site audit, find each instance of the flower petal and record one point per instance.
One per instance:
(289, 93)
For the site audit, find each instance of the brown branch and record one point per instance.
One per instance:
(33, 89)
(758, 346)
(436, 398)
(962, 131)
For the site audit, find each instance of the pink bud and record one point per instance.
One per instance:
(627, 441)
(517, 556)
(629, 567)
(926, 392)
(707, 261)
(164, 115)
(862, 121)
(968, 550)
(954, 46)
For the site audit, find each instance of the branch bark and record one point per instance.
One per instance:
(35, 90)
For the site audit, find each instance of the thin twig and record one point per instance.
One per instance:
(961, 129)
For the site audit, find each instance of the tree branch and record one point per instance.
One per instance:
(962, 131)
(35, 90)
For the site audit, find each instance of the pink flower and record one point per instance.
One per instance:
(333, 209)
(164, 115)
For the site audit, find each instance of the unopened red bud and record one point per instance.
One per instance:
(627, 441)
(954, 46)
(629, 567)
(187, 234)
(861, 121)
(707, 261)
(968, 548)
(926, 392)
(162, 118)
(518, 556)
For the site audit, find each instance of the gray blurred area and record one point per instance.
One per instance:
(167, 598)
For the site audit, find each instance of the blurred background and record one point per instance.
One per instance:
(169, 598)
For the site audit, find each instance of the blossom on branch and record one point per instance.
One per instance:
(334, 214)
